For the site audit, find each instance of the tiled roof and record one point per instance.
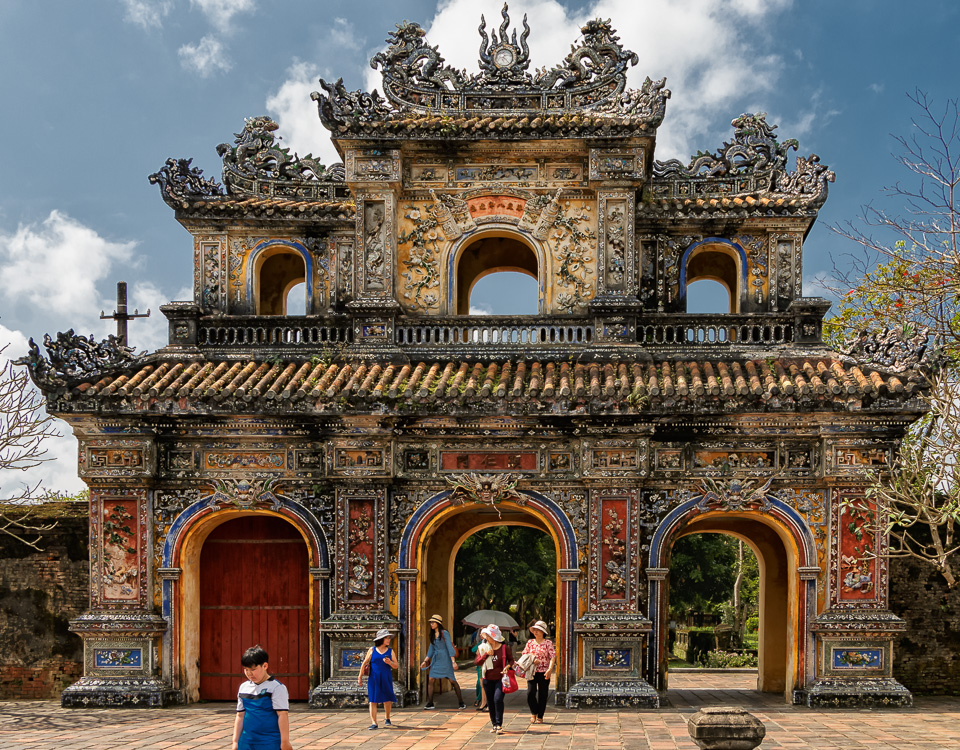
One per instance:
(270, 207)
(506, 125)
(557, 386)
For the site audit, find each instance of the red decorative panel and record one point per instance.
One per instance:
(496, 205)
(489, 461)
(254, 586)
(361, 549)
(118, 560)
(614, 567)
(858, 569)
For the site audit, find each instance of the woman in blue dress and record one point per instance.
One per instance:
(441, 660)
(380, 684)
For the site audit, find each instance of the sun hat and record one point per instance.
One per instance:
(541, 626)
(493, 631)
(383, 633)
(437, 619)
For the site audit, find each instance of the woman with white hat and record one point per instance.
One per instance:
(494, 656)
(544, 655)
(441, 659)
(380, 684)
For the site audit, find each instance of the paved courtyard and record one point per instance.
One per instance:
(933, 724)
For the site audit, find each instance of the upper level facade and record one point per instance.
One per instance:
(448, 178)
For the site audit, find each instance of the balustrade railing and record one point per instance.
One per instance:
(651, 330)
(264, 331)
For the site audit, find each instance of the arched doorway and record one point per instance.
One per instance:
(786, 553)
(254, 583)
(427, 551)
(290, 525)
(497, 251)
(775, 600)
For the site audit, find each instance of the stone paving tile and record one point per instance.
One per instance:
(934, 723)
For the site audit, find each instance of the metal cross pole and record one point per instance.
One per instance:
(121, 315)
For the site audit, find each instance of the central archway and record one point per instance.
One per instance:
(428, 547)
(495, 250)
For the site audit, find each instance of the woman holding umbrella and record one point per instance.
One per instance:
(494, 656)
(441, 660)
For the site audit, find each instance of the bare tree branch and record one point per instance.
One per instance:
(24, 426)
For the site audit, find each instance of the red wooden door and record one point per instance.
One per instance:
(254, 580)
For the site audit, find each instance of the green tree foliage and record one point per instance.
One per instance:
(509, 568)
(905, 279)
(704, 572)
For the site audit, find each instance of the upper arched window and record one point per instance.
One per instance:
(278, 271)
(717, 263)
(502, 259)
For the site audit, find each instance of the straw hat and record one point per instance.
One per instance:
(542, 627)
(493, 631)
(437, 619)
(383, 633)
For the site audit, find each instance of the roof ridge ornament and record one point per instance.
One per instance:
(502, 61)
(256, 164)
(417, 81)
(72, 356)
(753, 162)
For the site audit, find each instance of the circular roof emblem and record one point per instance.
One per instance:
(504, 57)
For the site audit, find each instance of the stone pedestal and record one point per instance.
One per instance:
(120, 668)
(350, 637)
(855, 661)
(613, 646)
(721, 728)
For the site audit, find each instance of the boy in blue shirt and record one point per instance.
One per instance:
(263, 705)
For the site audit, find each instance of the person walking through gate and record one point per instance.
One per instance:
(263, 707)
(380, 683)
(541, 648)
(493, 656)
(441, 659)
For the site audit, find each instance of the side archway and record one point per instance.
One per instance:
(272, 270)
(786, 551)
(720, 260)
(180, 576)
(427, 550)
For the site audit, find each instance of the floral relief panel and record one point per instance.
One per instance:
(859, 572)
(119, 533)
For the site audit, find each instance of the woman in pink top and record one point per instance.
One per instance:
(544, 657)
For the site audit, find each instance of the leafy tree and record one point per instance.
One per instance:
(23, 428)
(510, 568)
(714, 573)
(905, 281)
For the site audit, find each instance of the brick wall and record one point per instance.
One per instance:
(39, 593)
(927, 658)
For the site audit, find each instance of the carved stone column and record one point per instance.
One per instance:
(360, 580)
(613, 633)
(121, 631)
(855, 634)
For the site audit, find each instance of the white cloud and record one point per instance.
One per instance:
(221, 12)
(296, 113)
(341, 34)
(876, 88)
(51, 275)
(55, 265)
(206, 57)
(480, 310)
(148, 14)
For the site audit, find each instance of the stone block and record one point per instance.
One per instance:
(722, 728)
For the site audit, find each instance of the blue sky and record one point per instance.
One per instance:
(99, 93)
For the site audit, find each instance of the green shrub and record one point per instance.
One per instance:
(727, 660)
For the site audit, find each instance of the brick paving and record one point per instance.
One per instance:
(933, 724)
